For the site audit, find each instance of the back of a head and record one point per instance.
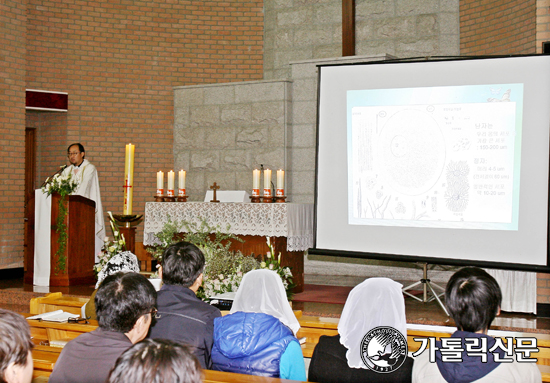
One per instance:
(262, 291)
(375, 302)
(15, 341)
(122, 299)
(156, 361)
(473, 298)
(372, 303)
(182, 263)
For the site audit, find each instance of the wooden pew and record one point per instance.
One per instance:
(44, 358)
(313, 327)
(45, 332)
(56, 301)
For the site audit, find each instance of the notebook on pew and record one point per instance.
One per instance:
(55, 316)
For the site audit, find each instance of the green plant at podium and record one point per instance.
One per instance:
(64, 185)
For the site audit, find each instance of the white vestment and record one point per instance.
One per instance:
(88, 186)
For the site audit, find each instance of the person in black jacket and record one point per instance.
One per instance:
(125, 306)
(182, 317)
(343, 358)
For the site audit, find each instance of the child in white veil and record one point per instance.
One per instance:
(258, 337)
(375, 302)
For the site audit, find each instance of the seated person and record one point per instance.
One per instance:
(16, 363)
(258, 337)
(473, 298)
(156, 361)
(125, 261)
(183, 317)
(373, 303)
(125, 304)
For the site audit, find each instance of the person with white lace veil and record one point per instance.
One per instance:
(376, 302)
(258, 337)
(124, 261)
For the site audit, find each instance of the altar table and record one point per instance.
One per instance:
(290, 223)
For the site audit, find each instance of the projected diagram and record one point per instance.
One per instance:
(434, 164)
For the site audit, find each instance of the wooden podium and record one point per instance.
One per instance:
(79, 252)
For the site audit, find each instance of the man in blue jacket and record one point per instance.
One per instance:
(183, 317)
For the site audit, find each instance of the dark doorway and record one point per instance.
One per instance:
(30, 176)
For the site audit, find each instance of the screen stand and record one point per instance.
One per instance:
(427, 284)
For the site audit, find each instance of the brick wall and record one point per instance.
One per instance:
(543, 23)
(12, 131)
(489, 27)
(119, 62)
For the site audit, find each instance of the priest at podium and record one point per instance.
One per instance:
(88, 186)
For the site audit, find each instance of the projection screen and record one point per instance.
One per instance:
(435, 161)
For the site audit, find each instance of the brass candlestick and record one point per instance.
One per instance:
(128, 220)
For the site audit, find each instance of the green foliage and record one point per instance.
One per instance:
(224, 268)
(170, 234)
(64, 185)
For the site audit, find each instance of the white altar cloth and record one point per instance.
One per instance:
(42, 238)
(291, 220)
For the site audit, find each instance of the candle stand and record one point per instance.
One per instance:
(169, 199)
(159, 198)
(255, 198)
(127, 227)
(267, 199)
(280, 199)
(182, 198)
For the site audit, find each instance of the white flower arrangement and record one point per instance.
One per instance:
(229, 281)
(63, 184)
(110, 248)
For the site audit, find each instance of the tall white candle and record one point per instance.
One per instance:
(280, 179)
(160, 183)
(128, 179)
(181, 183)
(181, 179)
(171, 181)
(267, 179)
(280, 182)
(267, 183)
(255, 179)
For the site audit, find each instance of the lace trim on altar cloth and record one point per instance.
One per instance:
(299, 243)
(294, 221)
